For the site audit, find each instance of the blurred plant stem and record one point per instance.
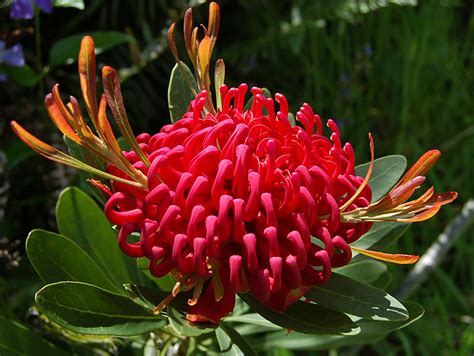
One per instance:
(39, 62)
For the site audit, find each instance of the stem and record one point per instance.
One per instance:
(39, 62)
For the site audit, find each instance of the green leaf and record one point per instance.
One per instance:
(231, 342)
(56, 258)
(181, 326)
(366, 271)
(180, 91)
(252, 329)
(252, 318)
(387, 171)
(77, 4)
(371, 331)
(374, 327)
(305, 317)
(383, 281)
(87, 309)
(66, 50)
(80, 219)
(24, 75)
(381, 235)
(346, 295)
(225, 344)
(298, 341)
(16, 339)
(165, 283)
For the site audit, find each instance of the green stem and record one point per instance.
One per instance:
(39, 62)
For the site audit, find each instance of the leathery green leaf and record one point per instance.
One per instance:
(57, 258)
(80, 219)
(252, 318)
(347, 295)
(305, 317)
(366, 271)
(87, 309)
(386, 173)
(370, 332)
(180, 91)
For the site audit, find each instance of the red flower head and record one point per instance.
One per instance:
(234, 197)
(231, 199)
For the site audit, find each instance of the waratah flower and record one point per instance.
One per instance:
(235, 197)
(231, 198)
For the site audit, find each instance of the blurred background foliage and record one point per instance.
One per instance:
(402, 70)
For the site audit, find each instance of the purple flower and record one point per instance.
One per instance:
(12, 56)
(45, 5)
(23, 9)
(3, 77)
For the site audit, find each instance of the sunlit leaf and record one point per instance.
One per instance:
(346, 295)
(386, 173)
(180, 91)
(252, 318)
(299, 341)
(78, 4)
(371, 331)
(219, 77)
(305, 317)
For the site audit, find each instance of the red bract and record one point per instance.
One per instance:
(234, 198)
